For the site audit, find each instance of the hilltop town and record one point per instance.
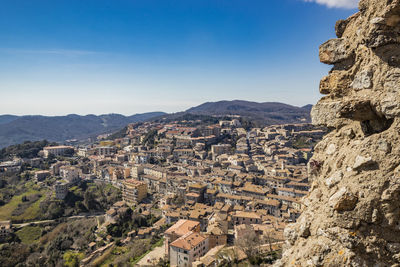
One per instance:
(176, 193)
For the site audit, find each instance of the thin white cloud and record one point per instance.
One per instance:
(336, 3)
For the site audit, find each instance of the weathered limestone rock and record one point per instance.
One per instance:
(336, 82)
(320, 115)
(346, 202)
(331, 149)
(334, 179)
(362, 161)
(362, 80)
(334, 51)
(352, 215)
(359, 110)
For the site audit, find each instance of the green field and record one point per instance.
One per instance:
(72, 258)
(31, 213)
(112, 255)
(29, 234)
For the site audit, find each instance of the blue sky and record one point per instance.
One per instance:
(133, 56)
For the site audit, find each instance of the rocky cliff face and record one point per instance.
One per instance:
(352, 214)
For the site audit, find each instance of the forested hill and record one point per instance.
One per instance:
(262, 113)
(15, 129)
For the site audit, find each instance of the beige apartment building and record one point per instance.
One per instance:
(56, 150)
(134, 191)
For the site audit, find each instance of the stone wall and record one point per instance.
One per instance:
(352, 214)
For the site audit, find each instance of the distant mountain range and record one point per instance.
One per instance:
(267, 112)
(259, 114)
(17, 129)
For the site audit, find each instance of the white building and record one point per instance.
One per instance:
(70, 173)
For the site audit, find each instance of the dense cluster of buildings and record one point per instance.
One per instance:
(218, 179)
(213, 183)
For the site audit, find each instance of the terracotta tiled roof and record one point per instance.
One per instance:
(188, 241)
(182, 227)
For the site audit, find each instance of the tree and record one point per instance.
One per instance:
(163, 262)
(89, 202)
(54, 210)
(72, 259)
(150, 137)
(249, 242)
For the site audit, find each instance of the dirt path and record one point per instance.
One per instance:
(68, 218)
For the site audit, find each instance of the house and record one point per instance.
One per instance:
(110, 215)
(70, 173)
(137, 170)
(183, 152)
(41, 175)
(153, 170)
(220, 149)
(272, 206)
(285, 200)
(192, 198)
(153, 182)
(254, 191)
(244, 217)
(61, 190)
(291, 192)
(210, 259)
(172, 216)
(210, 196)
(199, 189)
(145, 232)
(217, 233)
(55, 168)
(10, 166)
(186, 249)
(105, 150)
(179, 229)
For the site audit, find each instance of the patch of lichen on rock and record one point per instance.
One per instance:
(351, 216)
